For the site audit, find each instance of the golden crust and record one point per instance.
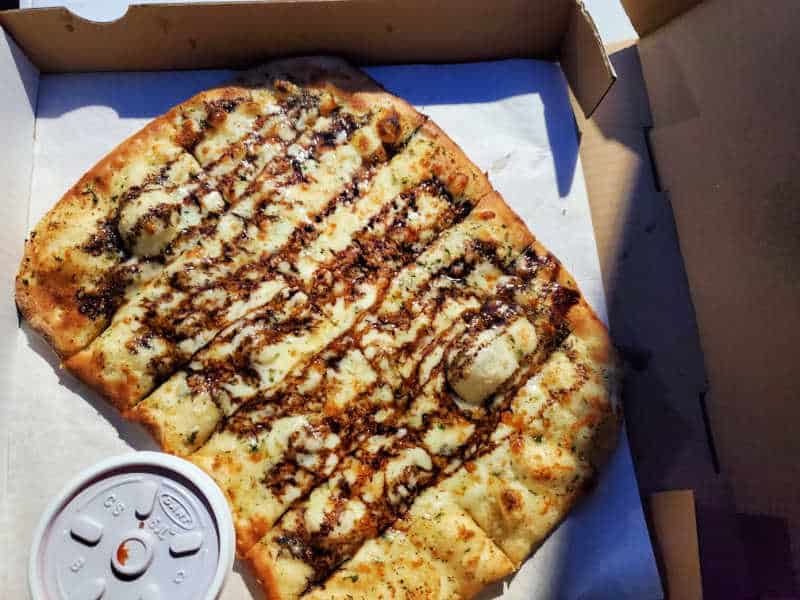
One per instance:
(437, 524)
(88, 367)
(346, 83)
(388, 568)
(249, 531)
(265, 574)
(516, 234)
(43, 306)
(51, 274)
(152, 413)
(457, 172)
(155, 429)
(583, 321)
(251, 528)
(280, 576)
(586, 326)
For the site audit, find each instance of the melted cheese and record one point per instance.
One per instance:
(305, 200)
(489, 359)
(411, 457)
(445, 439)
(236, 126)
(385, 186)
(229, 459)
(445, 250)
(349, 518)
(159, 213)
(318, 504)
(354, 374)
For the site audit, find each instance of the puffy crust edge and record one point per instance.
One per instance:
(39, 300)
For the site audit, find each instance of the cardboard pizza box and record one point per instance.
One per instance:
(688, 163)
(48, 410)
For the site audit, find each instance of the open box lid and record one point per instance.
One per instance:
(721, 81)
(192, 36)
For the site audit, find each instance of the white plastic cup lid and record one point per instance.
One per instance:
(143, 526)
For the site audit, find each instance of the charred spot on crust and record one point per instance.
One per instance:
(564, 299)
(389, 128)
(187, 137)
(511, 499)
(217, 110)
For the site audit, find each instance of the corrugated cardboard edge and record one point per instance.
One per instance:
(585, 61)
(648, 15)
(158, 37)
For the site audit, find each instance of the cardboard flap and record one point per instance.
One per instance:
(650, 309)
(183, 36)
(674, 527)
(584, 60)
(648, 15)
(156, 37)
(725, 136)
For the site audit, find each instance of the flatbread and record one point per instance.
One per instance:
(306, 288)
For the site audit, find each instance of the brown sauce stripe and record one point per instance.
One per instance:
(320, 556)
(378, 256)
(163, 212)
(355, 413)
(106, 300)
(238, 285)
